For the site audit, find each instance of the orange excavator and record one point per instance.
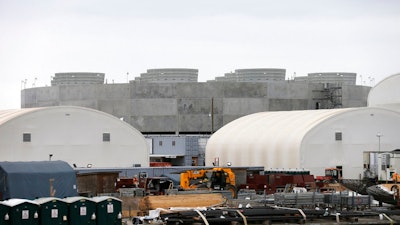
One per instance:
(396, 177)
(216, 179)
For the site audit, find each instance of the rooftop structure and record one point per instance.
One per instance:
(169, 75)
(339, 78)
(254, 75)
(73, 78)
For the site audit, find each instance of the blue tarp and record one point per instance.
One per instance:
(30, 180)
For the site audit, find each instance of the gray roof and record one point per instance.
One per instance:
(49, 167)
(36, 179)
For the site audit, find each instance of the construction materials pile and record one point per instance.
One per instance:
(264, 215)
(188, 200)
(298, 199)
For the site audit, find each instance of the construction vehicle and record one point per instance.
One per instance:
(331, 175)
(157, 185)
(145, 184)
(215, 179)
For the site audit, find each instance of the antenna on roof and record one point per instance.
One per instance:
(34, 82)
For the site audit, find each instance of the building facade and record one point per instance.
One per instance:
(194, 108)
(170, 104)
(177, 150)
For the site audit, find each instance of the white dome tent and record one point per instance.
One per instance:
(82, 137)
(386, 93)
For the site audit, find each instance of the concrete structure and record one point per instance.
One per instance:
(194, 108)
(80, 136)
(351, 138)
(254, 75)
(77, 78)
(338, 78)
(169, 75)
(169, 105)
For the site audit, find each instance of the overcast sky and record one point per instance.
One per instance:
(43, 37)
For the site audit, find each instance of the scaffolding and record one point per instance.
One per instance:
(329, 97)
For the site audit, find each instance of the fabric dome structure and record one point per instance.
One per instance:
(82, 137)
(309, 139)
(386, 93)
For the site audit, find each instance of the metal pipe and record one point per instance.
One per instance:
(301, 211)
(202, 216)
(244, 218)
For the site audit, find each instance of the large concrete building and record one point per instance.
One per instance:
(170, 104)
(155, 107)
(355, 140)
(80, 136)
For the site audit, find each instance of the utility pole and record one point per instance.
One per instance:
(212, 115)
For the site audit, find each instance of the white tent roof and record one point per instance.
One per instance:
(6, 115)
(266, 138)
(386, 93)
(73, 134)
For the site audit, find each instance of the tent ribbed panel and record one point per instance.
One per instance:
(269, 139)
(6, 115)
(386, 93)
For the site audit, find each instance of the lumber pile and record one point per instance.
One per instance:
(188, 200)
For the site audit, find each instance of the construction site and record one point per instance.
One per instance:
(232, 195)
(275, 152)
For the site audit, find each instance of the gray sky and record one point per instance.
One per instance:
(40, 38)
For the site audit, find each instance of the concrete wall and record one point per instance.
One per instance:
(186, 107)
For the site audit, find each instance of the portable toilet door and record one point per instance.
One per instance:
(81, 210)
(52, 211)
(23, 212)
(109, 210)
(4, 214)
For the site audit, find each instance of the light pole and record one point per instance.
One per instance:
(212, 115)
(379, 135)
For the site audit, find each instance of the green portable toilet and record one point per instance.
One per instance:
(81, 210)
(4, 214)
(52, 211)
(108, 210)
(23, 212)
